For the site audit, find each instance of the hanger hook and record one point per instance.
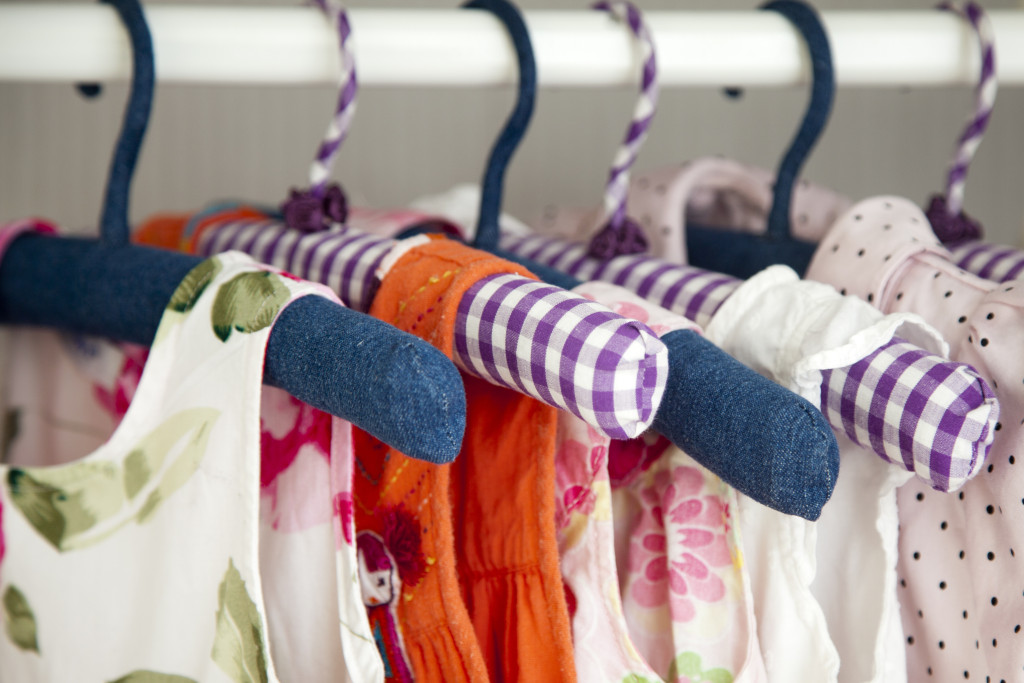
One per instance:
(620, 234)
(806, 20)
(114, 229)
(323, 204)
(487, 231)
(946, 212)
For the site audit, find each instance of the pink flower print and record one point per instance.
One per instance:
(682, 543)
(579, 499)
(344, 517)
(577, 463)
(286, 426)
(629, 309)
(116, 398)
(629, 458)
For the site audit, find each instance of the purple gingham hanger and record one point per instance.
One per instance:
(857, 399)
(606, 369)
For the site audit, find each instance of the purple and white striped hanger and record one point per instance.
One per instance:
(697, 294)
(621, 234)
(996, 262)
(608, 370)
(946, 212)
(867, 400)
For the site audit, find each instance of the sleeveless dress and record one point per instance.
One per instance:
(144, 560)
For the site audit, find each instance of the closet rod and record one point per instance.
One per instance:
(64, 42)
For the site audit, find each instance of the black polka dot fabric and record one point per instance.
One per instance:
(961, 586)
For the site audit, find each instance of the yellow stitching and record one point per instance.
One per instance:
(393, 479)
(433, 279)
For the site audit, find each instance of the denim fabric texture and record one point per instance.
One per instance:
(493, 186)
(742, 255)
(385, 381)
(114, 221)
(759, 437)
(397, 388)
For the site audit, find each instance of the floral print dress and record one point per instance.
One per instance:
(160, 556)
(678, 606)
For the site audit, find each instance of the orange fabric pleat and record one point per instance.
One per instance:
(496, 503)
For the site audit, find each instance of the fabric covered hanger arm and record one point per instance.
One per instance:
(714, 407)
(332, 358)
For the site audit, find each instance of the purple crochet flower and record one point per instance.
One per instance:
(305, 211)
(950, 229)
(618, 240)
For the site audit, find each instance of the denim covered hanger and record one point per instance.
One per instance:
(389, 383)
(738, 424)
(741, 254)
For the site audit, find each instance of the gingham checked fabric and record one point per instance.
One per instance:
(523, 334)
(344, 260)
(691, 292)
(901, 384)
(995, 262)
(896, 401)
(550, 344)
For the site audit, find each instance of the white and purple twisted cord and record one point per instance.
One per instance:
(985, 100)
(946, 212)
(910, 407)
(337, 130)
(512, 331)
(995, 262)
(619, 234)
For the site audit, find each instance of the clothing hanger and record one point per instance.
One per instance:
(332, 358)
(740, 254)
(317, 245)
(960, 233)
(945, 211)
(743, 444)
(697, 294)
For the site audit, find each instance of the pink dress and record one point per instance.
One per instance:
(960, 572)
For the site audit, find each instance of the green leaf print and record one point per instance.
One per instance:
(248, 302)
(142, 676)
(685, 664)
(688, 664)
(192, 286)
(186, 295)
(64, 502)
(717, 676)
(19, 620)
(636, 678)
(80, 504)
(238, 645)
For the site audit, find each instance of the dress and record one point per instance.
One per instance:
(153, 541)
(470, 562)
(960, 573)
(686, 607)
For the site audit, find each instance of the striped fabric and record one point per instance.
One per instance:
(912, 408)
(691, 292)
(548, 343)
(995, 262)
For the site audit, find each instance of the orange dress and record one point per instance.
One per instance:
(487, 599)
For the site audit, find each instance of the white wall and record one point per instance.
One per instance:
(255, 142)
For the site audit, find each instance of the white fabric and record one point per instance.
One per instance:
(841, 570)
(127, 571)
